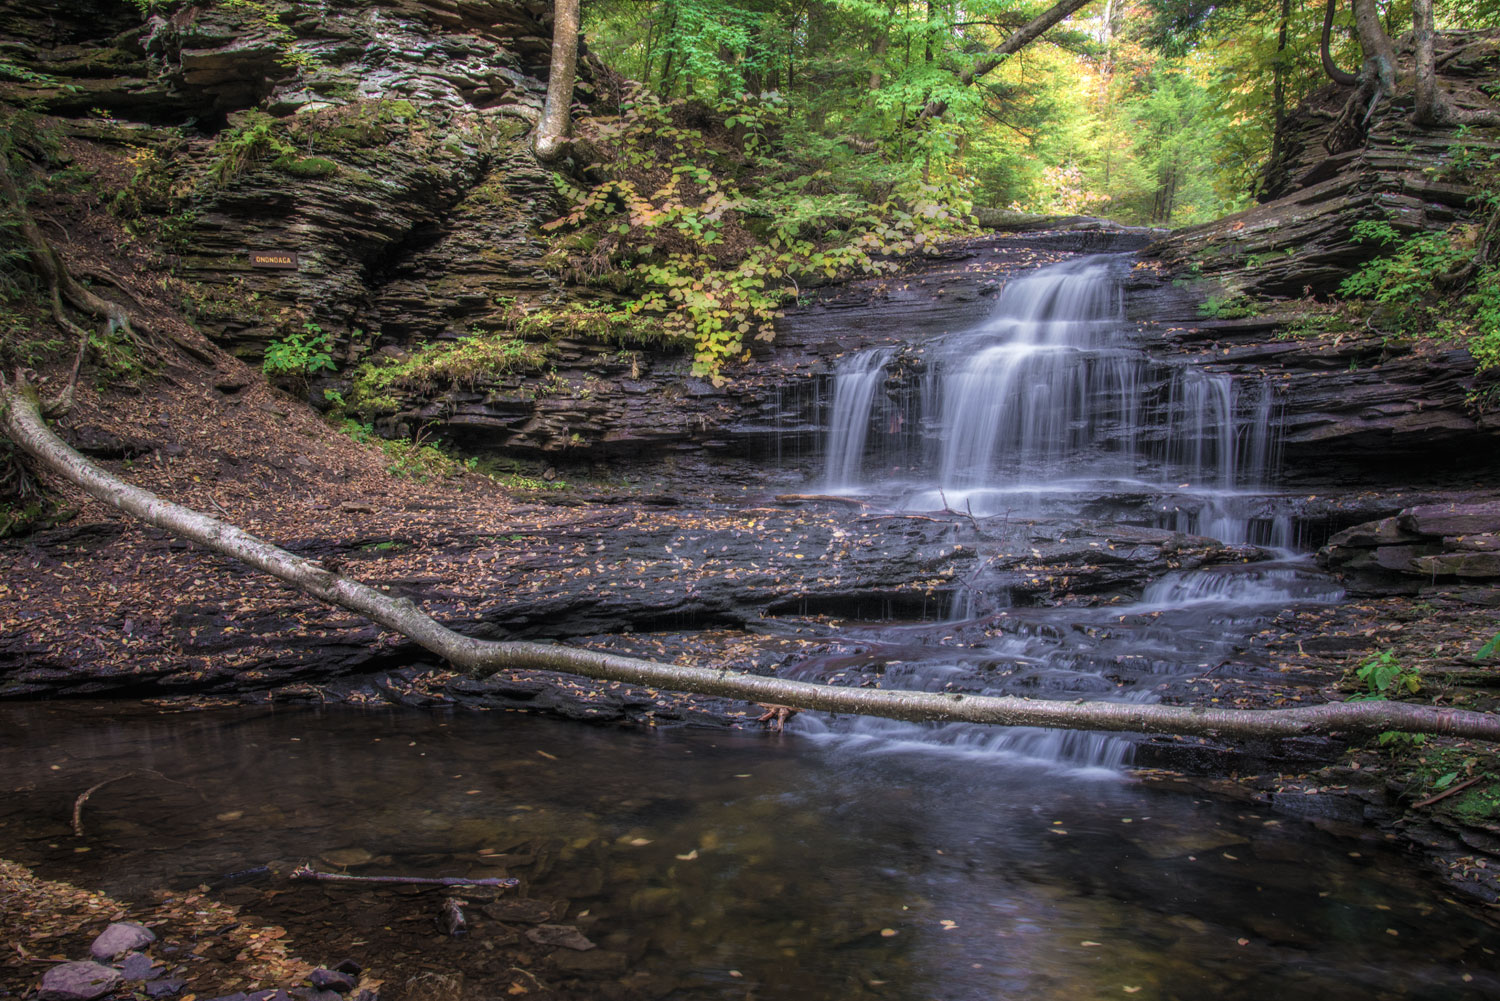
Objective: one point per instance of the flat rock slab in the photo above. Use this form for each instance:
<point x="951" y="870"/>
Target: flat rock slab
<point x="331" y="980"/>
<point x="1459" y="564"/>
<point x="1452" y="519"/>
<point x="120" y="938"/>
<point x="79" y="981"/>
<point x="531" y="912"/>
<point x="138" y="966"/>
<point x="565" y="936"/>
<point x="165" y="988"/>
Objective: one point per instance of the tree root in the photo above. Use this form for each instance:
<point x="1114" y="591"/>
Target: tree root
<point x="64" y="291"/>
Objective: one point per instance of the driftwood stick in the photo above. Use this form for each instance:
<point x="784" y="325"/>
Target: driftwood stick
<point x="1447" y="792"/>
<point x="307" y="872"/>
<point x="84" y="798"/>
<point x="819" y="499"/>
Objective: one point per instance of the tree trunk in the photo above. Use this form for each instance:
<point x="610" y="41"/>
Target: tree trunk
<point x="23" y="423"/>
<point x="1335" y="74"/>
<point x="557" y="119"/>
<point x="877" y="60"/>
<point x="1380" y="55"/>
<point x="1019" y="39"/>
<point x="1432" y="106"/>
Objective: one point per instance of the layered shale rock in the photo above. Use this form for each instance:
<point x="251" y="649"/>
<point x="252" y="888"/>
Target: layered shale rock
<point x="1452" y="542"/>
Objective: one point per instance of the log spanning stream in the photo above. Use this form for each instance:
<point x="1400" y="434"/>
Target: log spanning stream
<point x="718" y="865"/>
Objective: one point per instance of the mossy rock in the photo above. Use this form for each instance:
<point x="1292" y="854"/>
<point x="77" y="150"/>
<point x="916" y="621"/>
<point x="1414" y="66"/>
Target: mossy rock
<point x="308" y="166"/>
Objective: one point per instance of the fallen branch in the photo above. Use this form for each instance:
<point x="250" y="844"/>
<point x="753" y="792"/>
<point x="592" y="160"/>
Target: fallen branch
<point x="307" y="872"/>
<point x="819" y="499"/>
<point x="23" y="422"/>
<point x="1447" y="792"/>
<point x="84" y="798"/>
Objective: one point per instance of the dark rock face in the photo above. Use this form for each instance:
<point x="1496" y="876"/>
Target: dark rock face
<point x="416" y="228"/>
<point x="613" y="572"/>
<point x="1358" y="408"/>
<point x="1454" y="540"/>
<point x="1300" y="238"/>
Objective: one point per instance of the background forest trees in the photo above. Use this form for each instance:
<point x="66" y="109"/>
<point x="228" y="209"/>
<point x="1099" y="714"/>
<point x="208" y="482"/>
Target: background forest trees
<point x="1148" y="111"/>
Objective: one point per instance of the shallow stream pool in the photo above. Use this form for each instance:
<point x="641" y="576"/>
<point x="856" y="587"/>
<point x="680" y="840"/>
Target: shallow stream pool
<point x="710" y="864"/>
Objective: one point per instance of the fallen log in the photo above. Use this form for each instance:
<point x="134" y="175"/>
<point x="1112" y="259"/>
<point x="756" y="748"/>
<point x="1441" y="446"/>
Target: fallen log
<point x="820" y="499"/>
<point x="22" y="421"/>
<point x="307" y="872"/>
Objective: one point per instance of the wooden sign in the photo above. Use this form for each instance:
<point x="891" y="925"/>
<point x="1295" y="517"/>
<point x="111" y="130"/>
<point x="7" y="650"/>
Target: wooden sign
<point x="273" y="259"/>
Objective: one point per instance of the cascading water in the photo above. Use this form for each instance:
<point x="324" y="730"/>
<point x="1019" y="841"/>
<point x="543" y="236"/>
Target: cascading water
<point x="855" y="383"/>
<point x="1050" y="402"/>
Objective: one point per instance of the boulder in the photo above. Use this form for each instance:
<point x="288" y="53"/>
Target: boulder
<point x="1384" y="532"/>
<point x="565" y="936"/>
<point x="120" y="938"/>
<point x="78" y="981"/>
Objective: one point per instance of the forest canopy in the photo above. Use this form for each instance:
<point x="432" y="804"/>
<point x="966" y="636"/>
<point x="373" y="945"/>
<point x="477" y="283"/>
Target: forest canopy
<point x="1158" y="112"/>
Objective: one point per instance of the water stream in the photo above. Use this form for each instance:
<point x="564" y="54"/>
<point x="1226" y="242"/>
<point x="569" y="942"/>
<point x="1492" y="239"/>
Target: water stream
<point x="722" y="865"/>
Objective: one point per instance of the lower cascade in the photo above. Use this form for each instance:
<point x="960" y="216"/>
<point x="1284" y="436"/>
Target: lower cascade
<point x="1052" y="409"/>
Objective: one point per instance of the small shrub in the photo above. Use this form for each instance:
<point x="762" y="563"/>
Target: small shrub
<point x="1383" y="674"/>
<point x="299" y="355"/>
<point x="258" y="137"/>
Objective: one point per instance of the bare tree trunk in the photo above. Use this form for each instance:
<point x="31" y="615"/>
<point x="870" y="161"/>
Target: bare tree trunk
<point x="1278" y="83"/>
<point x="557" y="120"/>
<point x="1019" y="39"/>
<point x="877" y="59"/>
<point x="1432" y="106"/>
<point x="1380" y="55"/>
<point x="1325" y="52"/>
<point x="23" y="423"/>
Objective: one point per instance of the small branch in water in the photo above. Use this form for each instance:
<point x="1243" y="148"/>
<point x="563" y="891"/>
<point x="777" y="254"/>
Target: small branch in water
<point x="84" y="798"/>
<point x="819" y="499"/>
<point x="307" y="872"/>
<point x="948" y="509"/>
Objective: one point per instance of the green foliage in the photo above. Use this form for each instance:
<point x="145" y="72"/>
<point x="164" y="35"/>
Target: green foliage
<point x="257" y="137"/>
<point x="714" y="218"/>
<point x="1228" y="307"/>
<point x="117" y="362"/>
<point x="1384" y="675"/>
<point x="1428" y="287"/>
<point x="300" y="354"/>
<point x="416" y="459"/>
<point x="1490" y="649"/>
<point x="1446" y="768"/>
<point x="465" y="362"/>
<point x="26" y="338"/>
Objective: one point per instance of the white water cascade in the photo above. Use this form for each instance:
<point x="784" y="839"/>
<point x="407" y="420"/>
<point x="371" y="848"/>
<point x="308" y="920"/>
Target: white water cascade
<point x="1051" y="409"/>
<point x="1052" y="398"/>
<point x="854" y="386"/>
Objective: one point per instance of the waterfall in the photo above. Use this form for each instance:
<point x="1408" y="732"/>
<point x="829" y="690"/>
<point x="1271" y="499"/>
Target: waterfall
<point x="1050" y="408"/>
<point x="855" y="384"/>
<point x="1052" y="396"/>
